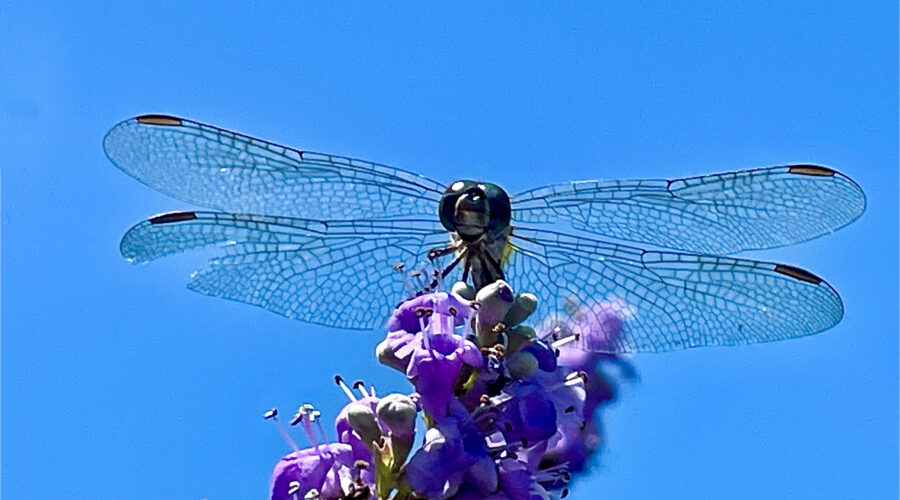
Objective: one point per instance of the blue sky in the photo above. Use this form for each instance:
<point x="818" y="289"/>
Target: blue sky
<point x="117" y="382"/>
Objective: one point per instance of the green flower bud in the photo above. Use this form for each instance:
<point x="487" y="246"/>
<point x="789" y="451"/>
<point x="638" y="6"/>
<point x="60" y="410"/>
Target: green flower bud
<point x="398" y="412"/>
<point x="386" y="356"/>
<point x="362" y="419"/>
<point x="494" y="301"/>
<point x="464" y="290"/>
<point x="518" y="336"/>
<point x="521" y="365"/>
<point x="524" y="305"/>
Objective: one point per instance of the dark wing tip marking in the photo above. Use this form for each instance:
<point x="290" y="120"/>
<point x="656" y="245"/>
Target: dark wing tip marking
<point x="797" y="273"/>
<point x="811" y="170"/>
<point x="164" y="120"/>
<point x="170" y="217"/>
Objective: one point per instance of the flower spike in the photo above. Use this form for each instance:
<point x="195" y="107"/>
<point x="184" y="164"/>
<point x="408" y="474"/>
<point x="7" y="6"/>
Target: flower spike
<point x="508" y="409"/>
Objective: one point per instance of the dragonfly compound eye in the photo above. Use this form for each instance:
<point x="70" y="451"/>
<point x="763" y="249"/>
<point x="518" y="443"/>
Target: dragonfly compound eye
<point x="499" y="206"/>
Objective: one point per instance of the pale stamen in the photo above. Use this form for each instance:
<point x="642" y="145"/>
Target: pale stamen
<point x="340" y="383"/>
<point x="360" y="386"/>
<point x="554" y="334"/>
<point x="321" y="430"/>
<point x="417" y="276"/>
<point x="467" y="329"/>
<point x="425" y="335"/>
<point x="563" y="341"/>
<point x="399" y="267"/>
<point x="573" y="379"/>
<point x="423" y="273"/>
<point x="558" y="472"/>
<point x="273" y="416"/>
<point x="307" y="414"/>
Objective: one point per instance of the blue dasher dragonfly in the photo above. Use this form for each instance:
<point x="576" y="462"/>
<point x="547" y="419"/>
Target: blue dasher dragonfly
<point x="316" y="237"/>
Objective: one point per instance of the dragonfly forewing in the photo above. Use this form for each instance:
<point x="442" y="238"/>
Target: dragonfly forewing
<point x="716" y="214"/>
<point x="212" y="167"/>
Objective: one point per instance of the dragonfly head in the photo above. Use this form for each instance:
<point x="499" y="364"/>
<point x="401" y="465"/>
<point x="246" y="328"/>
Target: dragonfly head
<point x="472" y="208"/>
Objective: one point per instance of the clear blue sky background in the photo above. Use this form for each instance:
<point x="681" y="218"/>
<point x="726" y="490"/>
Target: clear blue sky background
<point x="117" y="382"/>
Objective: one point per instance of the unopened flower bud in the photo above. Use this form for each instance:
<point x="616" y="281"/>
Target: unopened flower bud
<point x="398" y="412"/>
<point x="524" y="305"/>
<point x="386" y="356"/>
<point x="464" y="290"/>
<point x="362" y="419"/>
<point x="494" y="301"/>
<point x="519" y="336"/>
<point x="521" y="364"/>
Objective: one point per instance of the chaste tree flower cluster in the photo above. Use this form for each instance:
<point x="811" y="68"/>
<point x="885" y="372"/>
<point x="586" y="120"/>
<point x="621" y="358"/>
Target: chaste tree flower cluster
<point x="508" y="413"/>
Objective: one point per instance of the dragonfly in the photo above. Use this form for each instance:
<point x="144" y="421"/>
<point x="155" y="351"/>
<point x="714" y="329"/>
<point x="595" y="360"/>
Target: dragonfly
<point x="318" y="237"/>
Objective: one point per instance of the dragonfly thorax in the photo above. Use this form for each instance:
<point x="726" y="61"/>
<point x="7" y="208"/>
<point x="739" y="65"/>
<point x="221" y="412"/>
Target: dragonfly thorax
<point x="470" y="209"/>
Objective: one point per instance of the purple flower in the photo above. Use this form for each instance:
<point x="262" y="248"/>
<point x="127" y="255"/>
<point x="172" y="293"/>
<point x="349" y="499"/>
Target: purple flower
<point x="527" y="414"/>
<point x="598" y="329"/>
<point x="544" y="355"/>
<point x="435" y="368"/>
<point x="408" y="315"/>
<point x="396" y="349"/>
<point x="436" y="469"/>
<point x="453" y="449"/>
<point x="315" y="468"/>
<point x="517" y="481"/>
<point x="439" y="354"/>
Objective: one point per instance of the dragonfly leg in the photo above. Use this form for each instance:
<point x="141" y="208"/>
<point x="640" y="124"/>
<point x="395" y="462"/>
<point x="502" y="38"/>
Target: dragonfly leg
<point x="466" y="268"/>
<point x="496" y="265"/>
<point x="434" y="253"/>
<point x="443" y="274"/>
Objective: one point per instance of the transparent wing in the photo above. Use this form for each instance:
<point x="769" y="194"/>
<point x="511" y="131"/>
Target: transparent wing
<point x="670" y="300"/>
<point x="335" y="273"/>
<point x="212" y="167"/>
<point x="716" y="214"/>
